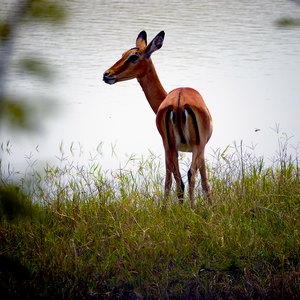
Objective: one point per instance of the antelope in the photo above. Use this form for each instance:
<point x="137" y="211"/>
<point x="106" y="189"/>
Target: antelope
<point x="182" y="117"/>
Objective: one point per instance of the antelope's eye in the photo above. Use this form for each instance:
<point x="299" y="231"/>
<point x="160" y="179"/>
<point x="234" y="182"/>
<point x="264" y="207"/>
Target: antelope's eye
<point x="132" y="58"/>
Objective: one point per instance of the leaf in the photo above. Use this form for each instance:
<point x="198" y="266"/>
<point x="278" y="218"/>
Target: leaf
<point x="36" y="67"/>
<point x="46" y="10"/>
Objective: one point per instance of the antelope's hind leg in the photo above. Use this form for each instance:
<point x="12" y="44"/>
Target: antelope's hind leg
<point x="204" y="182"/>
<point x="198" y="162"/>
<point x="172" y="167"/>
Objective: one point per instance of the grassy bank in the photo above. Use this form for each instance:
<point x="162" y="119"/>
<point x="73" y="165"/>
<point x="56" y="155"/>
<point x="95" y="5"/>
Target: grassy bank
<point x="93" y="236"/>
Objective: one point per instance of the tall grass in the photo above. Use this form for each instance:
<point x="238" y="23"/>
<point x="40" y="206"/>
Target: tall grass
<point x="89" y="234"/>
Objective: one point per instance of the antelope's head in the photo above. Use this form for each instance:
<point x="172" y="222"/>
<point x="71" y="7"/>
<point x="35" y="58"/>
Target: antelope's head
<point x="134" y="62"/>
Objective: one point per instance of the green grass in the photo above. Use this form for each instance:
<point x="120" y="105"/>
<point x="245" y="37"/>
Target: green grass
<point x="81" y="233"/>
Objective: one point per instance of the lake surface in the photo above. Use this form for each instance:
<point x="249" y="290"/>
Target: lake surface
<point x="245" y="66"/>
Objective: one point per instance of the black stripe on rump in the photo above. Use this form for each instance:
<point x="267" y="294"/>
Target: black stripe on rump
<point x="195" y="123"/>
<point x="170" y="135"/>
<point x="179" y="126"/>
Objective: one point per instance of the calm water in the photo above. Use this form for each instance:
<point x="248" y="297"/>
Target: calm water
<point x="246" y="68"/>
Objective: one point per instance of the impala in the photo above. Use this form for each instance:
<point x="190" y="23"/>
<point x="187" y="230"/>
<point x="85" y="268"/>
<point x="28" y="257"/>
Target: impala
<point x="182" y="118"/>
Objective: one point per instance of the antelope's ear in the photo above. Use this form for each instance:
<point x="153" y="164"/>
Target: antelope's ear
<point x="155" y="44"/>
<point x="141" y="40"/>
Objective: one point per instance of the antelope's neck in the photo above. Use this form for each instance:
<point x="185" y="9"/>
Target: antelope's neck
<point x="154" y="91"/>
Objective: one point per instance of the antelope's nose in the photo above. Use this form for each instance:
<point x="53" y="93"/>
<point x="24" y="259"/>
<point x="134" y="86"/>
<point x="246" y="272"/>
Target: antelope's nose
<point x="105" y="75"/>
<point x="107" y="78"/>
